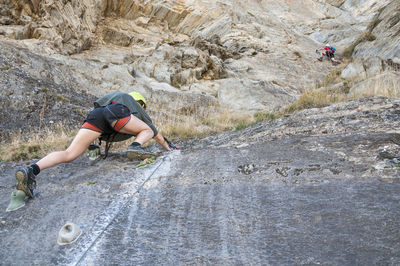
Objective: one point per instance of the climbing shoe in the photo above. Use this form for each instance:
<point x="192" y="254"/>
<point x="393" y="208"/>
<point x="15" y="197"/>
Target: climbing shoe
<point x="26" y="180"/>
<point x="138" y="152"/>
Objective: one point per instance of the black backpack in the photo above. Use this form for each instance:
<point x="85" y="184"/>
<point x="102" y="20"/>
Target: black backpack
<point x="110" y="138"/>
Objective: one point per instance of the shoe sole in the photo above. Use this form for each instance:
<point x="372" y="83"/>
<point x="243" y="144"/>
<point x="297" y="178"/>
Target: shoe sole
<point x="134" y="155"/>
<point x="22" y="185"/>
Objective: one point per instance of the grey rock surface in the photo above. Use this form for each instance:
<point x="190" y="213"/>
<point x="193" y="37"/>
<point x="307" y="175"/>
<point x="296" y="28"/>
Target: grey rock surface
<point x="377" y="51"/>
<point x="385" y="28"/>
<point x="354" y="71"/>
<point x="37" y="92"/>
<point x="318" y="187"/>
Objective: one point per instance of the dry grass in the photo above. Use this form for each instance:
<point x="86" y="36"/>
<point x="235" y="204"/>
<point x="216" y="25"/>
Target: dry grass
<point x="322" y="94"/>
<point x="312" y="98"/>
<point x="201" y="122"/>
<point x="334" y="76"/>
<point x="263" y="116"/>
<point x="187" y="118"/>
<point x="194" y="122"/>
<point x="386" y="84"/>
<point x="38" y="144"/>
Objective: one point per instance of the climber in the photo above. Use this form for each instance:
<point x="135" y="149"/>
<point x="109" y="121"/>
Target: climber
<point x="114" y="113"/>
<point x="328" y="51"/>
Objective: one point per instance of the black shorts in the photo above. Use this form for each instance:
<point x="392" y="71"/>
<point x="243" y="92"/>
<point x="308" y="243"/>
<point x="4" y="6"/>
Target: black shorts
<point x="101" y="118"/>
<point x="330" y="54"/>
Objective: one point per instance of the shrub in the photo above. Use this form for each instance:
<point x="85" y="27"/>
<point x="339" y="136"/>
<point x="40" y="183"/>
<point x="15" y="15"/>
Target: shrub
<point x="241" y="126"/>
<point x="260" y="116"/>
<point x="19" y="156"/>
<point x="316" y="99"/>
<point x="33" y="148"/>
<point x="370" y="37"/>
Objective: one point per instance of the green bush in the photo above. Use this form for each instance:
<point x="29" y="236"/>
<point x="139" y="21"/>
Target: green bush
<point x="34" y="148"/>
<point x="241" y="126"/>
<point x="19" y="156"/>
<point x="260" y="116"/>
<point x="370" y="37"/>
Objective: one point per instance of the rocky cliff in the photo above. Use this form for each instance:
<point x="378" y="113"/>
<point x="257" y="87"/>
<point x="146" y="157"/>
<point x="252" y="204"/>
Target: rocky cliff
<point x="257" y="55"/>
<point x="253" y="55"/>
<point x="376" y="53"/>
<point x="318" y="187"/>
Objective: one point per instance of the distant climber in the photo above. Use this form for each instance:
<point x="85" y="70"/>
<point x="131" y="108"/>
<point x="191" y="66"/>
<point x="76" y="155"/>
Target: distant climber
<point x="328" y="51"/>
<point x="114" y="113"/>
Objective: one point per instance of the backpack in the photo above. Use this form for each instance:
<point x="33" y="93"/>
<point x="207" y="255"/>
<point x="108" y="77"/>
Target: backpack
<point x="333" y="49"/>
<point x="114" y="137"/>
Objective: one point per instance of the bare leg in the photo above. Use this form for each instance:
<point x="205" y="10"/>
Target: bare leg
<point x="81" y="141"/>
<point x="137" y="127"/>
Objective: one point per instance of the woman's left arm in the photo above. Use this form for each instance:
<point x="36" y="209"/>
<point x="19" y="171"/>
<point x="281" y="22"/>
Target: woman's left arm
<point x="160" y="139"/>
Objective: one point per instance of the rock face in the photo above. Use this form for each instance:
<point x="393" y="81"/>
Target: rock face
<point x="376" y="54"/>
<point x="68" y="25"/>
<point x="319" y="187"/>
<point x="238" y="52"/>
<point x="32" y="99"/>
<point x="385" y="39"/>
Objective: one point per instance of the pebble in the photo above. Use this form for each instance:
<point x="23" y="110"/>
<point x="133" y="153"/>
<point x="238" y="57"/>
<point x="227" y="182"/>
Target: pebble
<point x="242" y="145"/>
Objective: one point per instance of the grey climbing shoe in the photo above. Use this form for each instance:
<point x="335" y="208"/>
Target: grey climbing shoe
<point x="137" y="152"/>
<point x="26" y="180"/>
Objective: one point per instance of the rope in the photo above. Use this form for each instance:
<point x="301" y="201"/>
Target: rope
<point x="123" y="205"/>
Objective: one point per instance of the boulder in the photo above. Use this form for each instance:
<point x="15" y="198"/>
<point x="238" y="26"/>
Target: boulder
<point x="354" y="71"/>
<point x="373" y="66"/>
<point x="253" y="95"/>
<point x="385" y="84"/>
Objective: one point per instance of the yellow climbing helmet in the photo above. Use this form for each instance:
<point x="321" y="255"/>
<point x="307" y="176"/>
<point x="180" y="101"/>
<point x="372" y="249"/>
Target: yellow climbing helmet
<point x="139" y="98"/>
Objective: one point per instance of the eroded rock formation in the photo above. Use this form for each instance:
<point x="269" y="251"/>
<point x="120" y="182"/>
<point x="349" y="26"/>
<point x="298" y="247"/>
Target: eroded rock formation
<point x="255" y="55"/>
